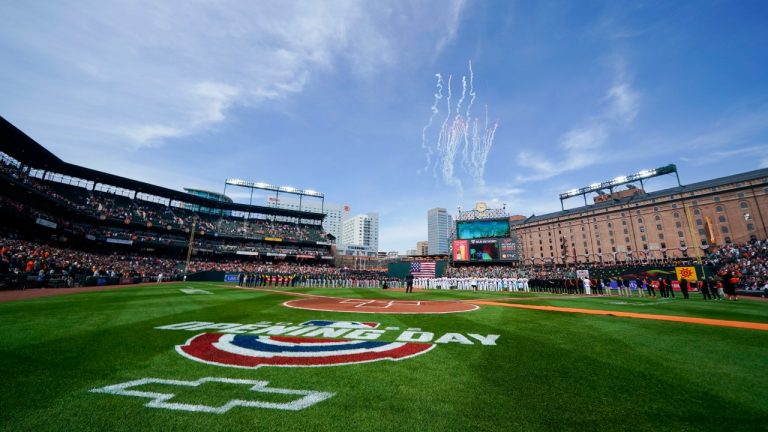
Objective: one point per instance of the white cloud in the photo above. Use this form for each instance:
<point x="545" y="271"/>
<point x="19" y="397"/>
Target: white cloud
<point x="764" y="163"/>
<point x="452" y="25"/>
<point x="215" y="98"/>
<point x="718" y="156"/>
<point x="581" y="147"/>
<point x="497" y="192"/>
<point x="494" y="196"/>
<point x="148" y="71"/>
<point x="733" y="135"/>
<point x="145" y="135"/>
<point x="624" y="102"/>
<point x="207" y="103"/>
<point x="584" y="139"/>
<point x="730" y="131"/>
<point x="584" y="145"/>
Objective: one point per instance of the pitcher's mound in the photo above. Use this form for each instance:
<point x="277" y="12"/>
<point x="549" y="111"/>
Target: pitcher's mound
<point x="331" y="304"/>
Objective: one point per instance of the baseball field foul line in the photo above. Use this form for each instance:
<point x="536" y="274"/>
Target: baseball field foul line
<point x="690" y="320"/>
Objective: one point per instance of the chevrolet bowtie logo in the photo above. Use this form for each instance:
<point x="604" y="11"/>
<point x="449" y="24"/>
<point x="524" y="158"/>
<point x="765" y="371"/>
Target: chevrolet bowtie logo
<point x="304" y="398"/>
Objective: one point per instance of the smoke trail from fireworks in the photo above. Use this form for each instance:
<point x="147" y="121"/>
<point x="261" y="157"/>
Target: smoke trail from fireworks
<point x="444" y="132"/>
<point x="472" y="94"/>
<point x="459" y="132"/>
<point x="435" y="111"/>
<point x="481" y="146"/>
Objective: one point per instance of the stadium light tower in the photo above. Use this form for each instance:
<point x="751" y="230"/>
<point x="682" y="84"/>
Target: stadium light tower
<point x="276" y="189"/>
<point x="620" y="180"/>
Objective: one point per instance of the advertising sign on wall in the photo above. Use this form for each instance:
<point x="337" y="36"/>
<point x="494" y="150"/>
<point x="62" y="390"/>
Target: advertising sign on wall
<point x="508" y="247"/>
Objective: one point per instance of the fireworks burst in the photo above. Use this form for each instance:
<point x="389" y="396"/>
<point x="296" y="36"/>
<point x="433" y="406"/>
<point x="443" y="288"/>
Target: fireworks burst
<point x="458" y="131"/>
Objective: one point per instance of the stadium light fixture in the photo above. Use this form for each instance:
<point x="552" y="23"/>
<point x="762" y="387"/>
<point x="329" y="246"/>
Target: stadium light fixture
<point x="267" y="186"/>
<point x="610" y="184"/>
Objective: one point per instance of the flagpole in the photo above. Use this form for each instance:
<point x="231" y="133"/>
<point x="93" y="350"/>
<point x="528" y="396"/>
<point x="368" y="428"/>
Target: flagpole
<point x="189" y="250"/>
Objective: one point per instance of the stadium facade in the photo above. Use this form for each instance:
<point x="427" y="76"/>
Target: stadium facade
<point x="678" y="222"/>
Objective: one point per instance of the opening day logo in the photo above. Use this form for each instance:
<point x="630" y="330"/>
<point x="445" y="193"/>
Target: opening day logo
<point x="309" y="344"/>
<point x="281" y="344"/>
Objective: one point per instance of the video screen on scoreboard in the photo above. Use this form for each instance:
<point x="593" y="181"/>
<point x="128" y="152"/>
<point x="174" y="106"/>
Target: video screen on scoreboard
<point x="468" y="230"/>
<point x="484" y="250"/>
<point x="460" y="250"/>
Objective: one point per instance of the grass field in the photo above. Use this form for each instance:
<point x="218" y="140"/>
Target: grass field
<point x="546" y="371"/>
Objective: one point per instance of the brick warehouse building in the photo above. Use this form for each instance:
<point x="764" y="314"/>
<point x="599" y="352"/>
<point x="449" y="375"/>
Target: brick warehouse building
<point x="678" y="222"/>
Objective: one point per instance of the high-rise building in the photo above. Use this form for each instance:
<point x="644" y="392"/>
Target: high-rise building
<point x="422" y="248"/>
<point x="438" y="226"/>
<point x="335" y="214"/>
<point x="362" y="230"/>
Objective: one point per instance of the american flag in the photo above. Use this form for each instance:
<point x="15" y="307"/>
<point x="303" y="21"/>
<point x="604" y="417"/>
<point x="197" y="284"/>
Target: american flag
<point x="423" y="269"/>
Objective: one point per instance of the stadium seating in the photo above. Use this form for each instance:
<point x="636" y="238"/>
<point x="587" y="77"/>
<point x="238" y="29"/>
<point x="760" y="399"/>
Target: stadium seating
<point x="113" y="206"/>
<point x="37" y="264"/>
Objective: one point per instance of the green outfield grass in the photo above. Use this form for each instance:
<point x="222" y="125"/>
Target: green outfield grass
<point x="547" y="371"/>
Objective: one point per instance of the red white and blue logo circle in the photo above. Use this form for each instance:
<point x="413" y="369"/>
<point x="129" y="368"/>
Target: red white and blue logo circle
<point x="252" y="351"/>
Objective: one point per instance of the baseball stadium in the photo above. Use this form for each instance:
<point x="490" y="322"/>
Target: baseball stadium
<point x="383" y="215"/>
<point x="131" y="306"/>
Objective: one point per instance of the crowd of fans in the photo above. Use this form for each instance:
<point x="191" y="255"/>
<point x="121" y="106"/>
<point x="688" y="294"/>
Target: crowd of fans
<point x="41" y="262"/>
<point x="45" y="262"/>
<point x="106" y="205"/>
<point x="505" y="272"/>
<point x="207" y="244"/>
<point x="225" y="234"/>
<point x="747" y="261"/>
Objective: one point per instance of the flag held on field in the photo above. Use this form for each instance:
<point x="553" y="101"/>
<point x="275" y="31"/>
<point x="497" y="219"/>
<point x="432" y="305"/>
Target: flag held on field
<point x="423" y="269"/>
<point x="689" y="273"/>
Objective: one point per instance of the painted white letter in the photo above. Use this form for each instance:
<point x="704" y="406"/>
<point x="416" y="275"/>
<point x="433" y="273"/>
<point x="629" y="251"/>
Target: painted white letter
<point x="365" y="334"/>
<point x="183" y="326"/>
<point x="485" y="340"/>
<point x="454" y="337"/>
<point x="414" y="336"/>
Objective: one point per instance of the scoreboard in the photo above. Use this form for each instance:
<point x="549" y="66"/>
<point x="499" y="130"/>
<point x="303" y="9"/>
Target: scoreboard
<point x="484" y="241"/>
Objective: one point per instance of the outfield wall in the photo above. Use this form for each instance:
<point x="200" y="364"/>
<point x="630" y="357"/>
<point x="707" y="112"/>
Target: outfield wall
<point x="207" y="276"/>
<point x="652" y="272"/>
<point x="403" y="268"/>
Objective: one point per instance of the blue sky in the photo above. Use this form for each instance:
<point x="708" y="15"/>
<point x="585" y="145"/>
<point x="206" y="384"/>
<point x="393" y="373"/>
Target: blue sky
<point x="336" y="96"/>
